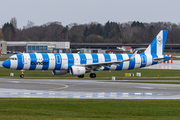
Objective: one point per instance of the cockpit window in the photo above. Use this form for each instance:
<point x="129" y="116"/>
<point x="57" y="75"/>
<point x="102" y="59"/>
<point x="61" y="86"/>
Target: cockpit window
<point x="13" y="58"/>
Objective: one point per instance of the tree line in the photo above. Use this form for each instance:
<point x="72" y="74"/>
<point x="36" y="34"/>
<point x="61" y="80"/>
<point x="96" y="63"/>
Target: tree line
<point x="111" y="32"/>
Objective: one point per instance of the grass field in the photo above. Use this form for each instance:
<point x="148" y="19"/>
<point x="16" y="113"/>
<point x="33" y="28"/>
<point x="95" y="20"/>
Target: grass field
<point x="82" y="109"/>
<point x="100" y="74"/>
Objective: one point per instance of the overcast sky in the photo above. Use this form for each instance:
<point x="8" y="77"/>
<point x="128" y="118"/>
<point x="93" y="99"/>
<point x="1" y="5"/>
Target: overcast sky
<point x="86" y="11"/>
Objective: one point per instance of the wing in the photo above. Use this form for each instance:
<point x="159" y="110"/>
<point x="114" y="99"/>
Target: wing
<point x="105" y="64"/>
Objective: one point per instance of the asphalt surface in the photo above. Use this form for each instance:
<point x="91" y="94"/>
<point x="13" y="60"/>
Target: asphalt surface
<point x="38" y="88"/>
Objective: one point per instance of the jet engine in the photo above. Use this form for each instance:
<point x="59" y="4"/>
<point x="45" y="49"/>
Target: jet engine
<point x="76" y="70"/>
<point x="59" y="72"/>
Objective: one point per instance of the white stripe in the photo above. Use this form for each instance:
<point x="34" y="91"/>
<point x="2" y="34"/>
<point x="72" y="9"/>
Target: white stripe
<point x="39" y="59"/>
<point x="160" y="56"/>
<point x="148" y="50"/>
<point x="64" y="62"/>
<point x="88" y="58"/>
<point x="149" y="60"/>
<point x="14" y="62"/>
<point x="51" y="61"/>
<point x="27" y="65"/>
<point x="76" y="59"/>
<point x="113" y="58"/>
<point x="159" y="43"/>
<point x="125" y="64"/>
<point x="101" y="59"/>
<point x="137" y="61"/>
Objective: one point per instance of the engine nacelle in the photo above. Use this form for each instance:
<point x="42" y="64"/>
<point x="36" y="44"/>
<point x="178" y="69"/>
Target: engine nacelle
<point x="59" y="72"/>
<point x="75" y="70"/>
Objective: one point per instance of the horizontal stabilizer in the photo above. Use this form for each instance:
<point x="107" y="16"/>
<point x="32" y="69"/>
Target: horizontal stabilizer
<point x="166" y="57"/>
<point x="160" y="59"/>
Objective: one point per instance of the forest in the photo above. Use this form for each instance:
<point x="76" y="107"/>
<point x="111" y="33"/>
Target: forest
<point x="111" y="32"/>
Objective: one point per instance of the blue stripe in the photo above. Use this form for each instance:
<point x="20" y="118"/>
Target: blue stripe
<point x="107" y="59"/>
<point x="45" y="60"/>
<point x="131" y="63"/>
<point x="33" y="59"/>
<point x="95" y="58"/>
<point x="82" y="58"/>
<point x="165" y="33"/>
<point x="119" y="58"/>
<point x="154" y="46"/>
<point x="70" y="60"/>
<point x="143" y="60"/>
<point x="57" y="61"/>
<point x="20" y="65"/>
<point x="7" y="63"/>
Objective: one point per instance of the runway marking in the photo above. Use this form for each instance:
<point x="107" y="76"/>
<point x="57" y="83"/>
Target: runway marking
<point x="42" y="83"/>
<point x="146" y="87"/>
<point x="71" y="94"/>
<point x="14" y="81"/>
<point x="66" y="86"/>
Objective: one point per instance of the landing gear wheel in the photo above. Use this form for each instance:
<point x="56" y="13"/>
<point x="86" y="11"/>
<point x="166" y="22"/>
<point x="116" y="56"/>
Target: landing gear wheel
<point x="22" y="75"/>
<point x="80" y="76"/>
<point x="92" y="75"/>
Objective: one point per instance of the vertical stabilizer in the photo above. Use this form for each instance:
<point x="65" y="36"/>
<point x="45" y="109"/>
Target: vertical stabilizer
<point x="158" y="44"/>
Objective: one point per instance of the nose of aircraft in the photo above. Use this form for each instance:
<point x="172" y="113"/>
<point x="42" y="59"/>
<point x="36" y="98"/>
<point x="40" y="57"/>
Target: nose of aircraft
<point x="6" y="64"/>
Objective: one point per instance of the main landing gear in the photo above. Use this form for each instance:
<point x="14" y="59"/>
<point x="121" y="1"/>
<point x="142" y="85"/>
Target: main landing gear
<point x="22" y="74"/>
<point x="92" y="75"/>
<point x="80" y="76"/>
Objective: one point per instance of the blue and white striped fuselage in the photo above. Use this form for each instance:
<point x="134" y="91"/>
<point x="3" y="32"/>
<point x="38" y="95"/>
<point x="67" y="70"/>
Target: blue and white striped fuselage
<point x="79" y="64"/>
<point x="56" y="61"/>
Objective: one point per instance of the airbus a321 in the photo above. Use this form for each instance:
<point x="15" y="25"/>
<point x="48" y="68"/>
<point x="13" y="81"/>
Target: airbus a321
<point x="78" y="64"/>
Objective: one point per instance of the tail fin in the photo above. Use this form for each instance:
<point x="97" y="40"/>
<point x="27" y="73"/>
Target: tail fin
<point x="158" y="44"/>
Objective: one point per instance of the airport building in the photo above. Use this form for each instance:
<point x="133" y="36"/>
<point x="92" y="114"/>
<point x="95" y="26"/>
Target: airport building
<point x="3" y="47"/>
<point x="38" y="47"/>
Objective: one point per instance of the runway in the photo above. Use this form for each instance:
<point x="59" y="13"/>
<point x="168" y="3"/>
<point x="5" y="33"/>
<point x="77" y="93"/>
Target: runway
<point x="38" y="88"/>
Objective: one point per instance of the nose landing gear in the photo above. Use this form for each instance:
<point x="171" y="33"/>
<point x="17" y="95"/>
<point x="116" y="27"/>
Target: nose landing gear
<point x="22" y="74"/>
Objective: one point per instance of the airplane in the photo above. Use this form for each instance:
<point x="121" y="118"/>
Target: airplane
<point x="78" y="64"/>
